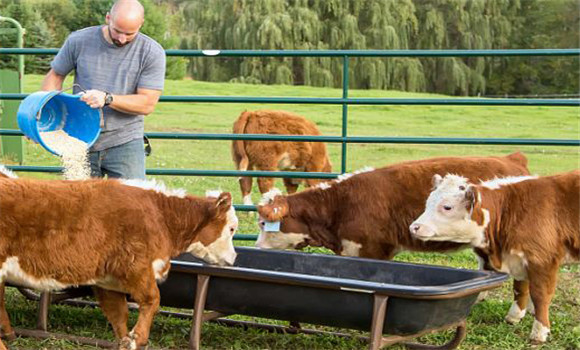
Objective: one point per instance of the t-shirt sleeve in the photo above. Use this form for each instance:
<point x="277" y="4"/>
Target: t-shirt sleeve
<point x="65" y="60"/>
<point x="153" y="74"/>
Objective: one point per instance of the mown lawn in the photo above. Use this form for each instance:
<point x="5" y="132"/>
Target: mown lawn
<point x="486" y="328"/>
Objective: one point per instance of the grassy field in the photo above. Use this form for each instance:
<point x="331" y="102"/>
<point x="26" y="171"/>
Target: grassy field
<point x="486" y="328"/>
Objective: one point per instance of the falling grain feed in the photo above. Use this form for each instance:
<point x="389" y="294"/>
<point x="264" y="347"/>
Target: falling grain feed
<point x="74" y="154"/>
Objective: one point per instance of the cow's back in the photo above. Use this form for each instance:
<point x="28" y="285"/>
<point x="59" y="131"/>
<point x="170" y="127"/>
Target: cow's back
<point x="103" y="217"/>
<point x="549" y="206"/>
<point x="395" y="195"/>
<point x="279" y="122"/>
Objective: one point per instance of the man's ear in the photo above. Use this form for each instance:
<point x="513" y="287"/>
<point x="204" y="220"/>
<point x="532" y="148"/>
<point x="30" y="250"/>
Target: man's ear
<point x="274" y="211"/>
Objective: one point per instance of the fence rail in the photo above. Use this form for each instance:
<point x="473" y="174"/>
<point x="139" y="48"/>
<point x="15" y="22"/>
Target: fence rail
<point x="333" y="53"/>
<point x="359" y="101"/>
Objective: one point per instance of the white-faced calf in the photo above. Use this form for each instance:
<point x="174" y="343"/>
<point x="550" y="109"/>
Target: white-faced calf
<point x="527" y="226"/>
<point x="118" y="237"/>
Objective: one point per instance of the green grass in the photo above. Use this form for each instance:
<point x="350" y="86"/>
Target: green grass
<point x="486" y="328"/>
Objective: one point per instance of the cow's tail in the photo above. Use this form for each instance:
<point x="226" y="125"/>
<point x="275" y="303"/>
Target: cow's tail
<point x="238" y="147"/>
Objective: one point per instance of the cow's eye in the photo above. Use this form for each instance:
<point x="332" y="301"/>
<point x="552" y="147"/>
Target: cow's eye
<point x="462" y="188"/>
<point x="447" y="207"/>
<point x="232" y="230"/>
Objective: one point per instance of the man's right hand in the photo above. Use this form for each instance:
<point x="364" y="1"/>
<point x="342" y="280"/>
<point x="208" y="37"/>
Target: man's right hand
<point x="94" y="98"/>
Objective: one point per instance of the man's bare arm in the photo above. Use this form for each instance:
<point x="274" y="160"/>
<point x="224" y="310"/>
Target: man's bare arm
<point x="143" y="102"/>
<point x="52" y="81"/>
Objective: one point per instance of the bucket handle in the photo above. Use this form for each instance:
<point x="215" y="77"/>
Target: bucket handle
<point x="72" y="86"/>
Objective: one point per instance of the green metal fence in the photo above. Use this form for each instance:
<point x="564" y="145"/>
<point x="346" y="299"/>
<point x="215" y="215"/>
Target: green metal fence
<point x="344" y="101"/>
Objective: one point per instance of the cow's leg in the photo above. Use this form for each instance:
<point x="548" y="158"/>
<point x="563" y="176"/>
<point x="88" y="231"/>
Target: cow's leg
<point x="291" y="187"/>
<point x="246" y="187"/>
<point x="519" y="305"/>
<point x="146" y="294"/>
<point x="542" y="289"/>
<point x="482" y="264"/>
<point x="114" y="306"/>
<point x="7" y="331"/>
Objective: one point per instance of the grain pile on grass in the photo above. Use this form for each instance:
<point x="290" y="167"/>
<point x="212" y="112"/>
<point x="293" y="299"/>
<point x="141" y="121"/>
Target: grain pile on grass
<point x="74" y="154"/>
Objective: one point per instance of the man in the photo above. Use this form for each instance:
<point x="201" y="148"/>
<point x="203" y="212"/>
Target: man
<point x="123" y="71"/>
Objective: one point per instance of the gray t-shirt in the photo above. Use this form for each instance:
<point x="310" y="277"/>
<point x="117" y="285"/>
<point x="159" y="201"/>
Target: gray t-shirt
<point x="118" y="70"/>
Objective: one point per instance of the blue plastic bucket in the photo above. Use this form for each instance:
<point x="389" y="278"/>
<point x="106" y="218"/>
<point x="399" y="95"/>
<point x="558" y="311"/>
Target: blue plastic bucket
<point x="45" y="111"/>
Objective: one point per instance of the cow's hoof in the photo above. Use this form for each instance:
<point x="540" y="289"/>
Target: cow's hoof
<point x="512" y="320"/>
<point x="539" y="333"/>
<point x="127" y="343"/>
<point x="515" y="314"/>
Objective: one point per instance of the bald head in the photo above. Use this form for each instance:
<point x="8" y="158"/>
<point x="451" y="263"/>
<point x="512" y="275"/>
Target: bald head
<point x="124" y="21"/>
<point x="128" y="10"/>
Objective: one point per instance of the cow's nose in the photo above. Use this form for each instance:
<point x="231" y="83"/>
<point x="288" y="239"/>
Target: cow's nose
<point x="414" y="228"/>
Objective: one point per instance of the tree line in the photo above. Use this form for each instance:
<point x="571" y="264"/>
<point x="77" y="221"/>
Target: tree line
<point x="339" y="25"/>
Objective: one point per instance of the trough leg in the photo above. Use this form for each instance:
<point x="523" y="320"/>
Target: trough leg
<point x="379" y="312"/>
<point x="198" y="311"/>
<point x="42" y="312"/>
<point x="460" y="333"/>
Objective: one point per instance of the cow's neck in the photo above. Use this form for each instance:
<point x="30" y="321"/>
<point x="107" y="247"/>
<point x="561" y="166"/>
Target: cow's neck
<point x="498" y="230"/>
<point x="317" y="209"/>
<point x="184" y="218"/>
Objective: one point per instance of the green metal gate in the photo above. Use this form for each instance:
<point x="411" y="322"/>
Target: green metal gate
<point x="345" y="101"/>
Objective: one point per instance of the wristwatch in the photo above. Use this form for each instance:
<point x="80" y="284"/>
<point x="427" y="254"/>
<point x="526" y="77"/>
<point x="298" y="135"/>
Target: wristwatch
<point x="108" y="98"/>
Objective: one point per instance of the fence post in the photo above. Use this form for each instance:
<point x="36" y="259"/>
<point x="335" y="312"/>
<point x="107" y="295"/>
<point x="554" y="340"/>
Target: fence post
<point x="11" y="81"/>
<point x="345" y="74"/>
<point x="11" y="145"/>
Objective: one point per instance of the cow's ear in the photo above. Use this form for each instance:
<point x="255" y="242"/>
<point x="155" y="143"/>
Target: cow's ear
<point x="470" y="197"/>
<point x="223" y="203"/>
<point x="436" y="180"/>
<point x="275" y="211"/>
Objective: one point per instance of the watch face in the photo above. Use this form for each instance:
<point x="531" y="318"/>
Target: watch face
<point x="108" y="99"/>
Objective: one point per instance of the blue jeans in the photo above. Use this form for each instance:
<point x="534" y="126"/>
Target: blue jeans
<point x="125" y="161"/>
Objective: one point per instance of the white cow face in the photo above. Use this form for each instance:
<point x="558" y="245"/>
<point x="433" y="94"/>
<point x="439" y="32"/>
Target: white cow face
<point x="214" y="243"/>
<point x="290" y="234"/>
<point x="447" y="215"/>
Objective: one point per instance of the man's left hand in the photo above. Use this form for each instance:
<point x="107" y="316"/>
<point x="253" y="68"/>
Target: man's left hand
<point x="94" y="98"/>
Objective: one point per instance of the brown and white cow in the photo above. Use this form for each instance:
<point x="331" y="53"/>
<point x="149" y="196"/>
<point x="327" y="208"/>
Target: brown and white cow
<point x="368" y="214"/>
<point x="527" y="226"/>
<point x="117" y="236"/>
<point x="277" y="155"/>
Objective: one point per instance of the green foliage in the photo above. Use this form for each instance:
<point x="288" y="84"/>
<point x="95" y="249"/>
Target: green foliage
<point x="49" y="22"/>
<point x="338" y="25"/>
<point x="37" y="34"/>
<point x="378" y="24"/>
<point x="545" y="24"/>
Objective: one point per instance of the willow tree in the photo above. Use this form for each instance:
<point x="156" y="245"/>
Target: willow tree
<point x="353" y="25"/>
<point x="462" y="24"/>
<point x="304" y="25"/>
